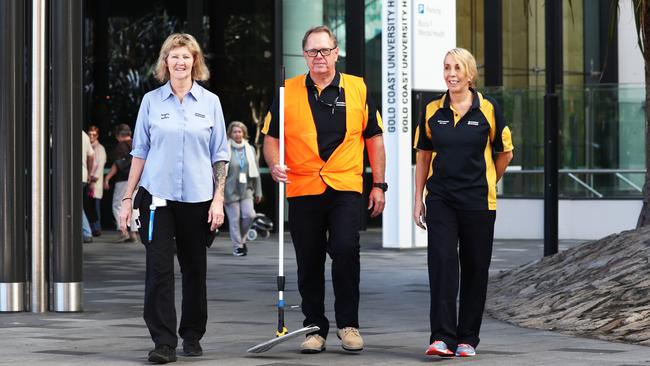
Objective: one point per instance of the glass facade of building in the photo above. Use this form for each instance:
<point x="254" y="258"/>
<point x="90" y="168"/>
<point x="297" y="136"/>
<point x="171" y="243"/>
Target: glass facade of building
<point x="601" y="122"/>
<point x="601" y="149"/>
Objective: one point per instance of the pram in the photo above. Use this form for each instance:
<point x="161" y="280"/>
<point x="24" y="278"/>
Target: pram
<point x="261" y="226"/>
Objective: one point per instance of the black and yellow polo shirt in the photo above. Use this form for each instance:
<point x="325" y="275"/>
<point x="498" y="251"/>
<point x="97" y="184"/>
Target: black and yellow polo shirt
<point x="462" y="171"/>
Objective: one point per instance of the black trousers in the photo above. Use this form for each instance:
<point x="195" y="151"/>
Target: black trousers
<point x="452" y="235"/>
<point x="88" y="205"/>
<point x="327" y="223"/>
<point x="179" y="228"/>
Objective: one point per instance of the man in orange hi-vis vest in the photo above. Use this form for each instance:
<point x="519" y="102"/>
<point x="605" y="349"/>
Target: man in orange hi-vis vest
<point x="329" y="118"/>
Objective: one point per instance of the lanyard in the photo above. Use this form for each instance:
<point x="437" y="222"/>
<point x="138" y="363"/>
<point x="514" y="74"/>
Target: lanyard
<point x="331" y="105"/>
<point x="242" y="159"/>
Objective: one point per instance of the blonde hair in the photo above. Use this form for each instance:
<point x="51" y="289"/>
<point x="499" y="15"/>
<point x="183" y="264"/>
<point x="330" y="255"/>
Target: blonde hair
<point x="199" y="69"/>
<point x="467" y="60"/>
<point x="241" y="125"/>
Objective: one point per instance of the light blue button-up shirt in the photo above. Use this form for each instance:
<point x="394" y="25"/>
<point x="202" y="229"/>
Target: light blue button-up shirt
<point x="179" y="143"/>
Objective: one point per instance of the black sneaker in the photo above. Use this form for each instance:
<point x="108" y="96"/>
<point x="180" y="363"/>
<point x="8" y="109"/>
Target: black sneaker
<point x="192" y="348"/>
<point x="239" y="252"/>
<point x="162" y="354"/>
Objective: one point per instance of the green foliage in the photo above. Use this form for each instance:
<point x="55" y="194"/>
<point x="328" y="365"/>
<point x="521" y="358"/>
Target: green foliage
<point x="133" y="52"/>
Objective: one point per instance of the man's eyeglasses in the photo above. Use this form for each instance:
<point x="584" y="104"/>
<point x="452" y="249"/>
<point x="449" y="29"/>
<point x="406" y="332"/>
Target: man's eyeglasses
<point x="323" y="51"/>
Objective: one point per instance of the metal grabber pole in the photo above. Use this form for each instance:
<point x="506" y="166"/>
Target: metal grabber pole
<point x="282" y="330"/>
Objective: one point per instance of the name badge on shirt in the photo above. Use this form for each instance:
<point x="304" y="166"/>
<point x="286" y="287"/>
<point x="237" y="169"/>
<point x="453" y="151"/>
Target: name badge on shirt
<point x="199" y="115"/>
<point x="472" y="123"/>
<point x="442" y="122"/>
<point x="242" y="178"/>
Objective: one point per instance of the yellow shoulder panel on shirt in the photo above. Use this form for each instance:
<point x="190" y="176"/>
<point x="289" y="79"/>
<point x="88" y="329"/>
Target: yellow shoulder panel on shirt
<point x="487" y="109"/>
<point x="416" y="137"/>
<point x="506" y="137"/>
<point x="380" y="122"/>
<point x="432" y="108"/>
<point x="267" y="123"/>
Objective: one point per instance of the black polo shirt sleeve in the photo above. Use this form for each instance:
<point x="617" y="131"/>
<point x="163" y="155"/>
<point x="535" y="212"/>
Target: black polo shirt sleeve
<point x="501" y="139"/>
<point x="271" y="126"/>
<point x="423" y="132"/>
<point x="375" y="125"/>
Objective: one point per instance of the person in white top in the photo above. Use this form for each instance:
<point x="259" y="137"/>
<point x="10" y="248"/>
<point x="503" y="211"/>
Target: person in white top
<point x="87" y="161"/>
<point x="97" y="178"/>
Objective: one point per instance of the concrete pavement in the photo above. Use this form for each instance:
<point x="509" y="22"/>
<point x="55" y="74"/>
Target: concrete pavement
<point x="241" y="300"/>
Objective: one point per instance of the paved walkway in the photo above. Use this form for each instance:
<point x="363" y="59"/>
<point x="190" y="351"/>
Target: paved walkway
<point x="241" y="299"/>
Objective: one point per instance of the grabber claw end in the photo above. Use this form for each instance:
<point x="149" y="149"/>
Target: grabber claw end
<point x="280" y="334"/>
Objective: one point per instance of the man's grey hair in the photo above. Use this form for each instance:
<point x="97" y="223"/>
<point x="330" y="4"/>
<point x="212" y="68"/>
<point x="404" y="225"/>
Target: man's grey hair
<point x="319" y="29"/>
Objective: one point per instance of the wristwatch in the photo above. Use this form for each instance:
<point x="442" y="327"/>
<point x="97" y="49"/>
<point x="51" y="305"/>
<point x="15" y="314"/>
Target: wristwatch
<point x="383" y="186"/>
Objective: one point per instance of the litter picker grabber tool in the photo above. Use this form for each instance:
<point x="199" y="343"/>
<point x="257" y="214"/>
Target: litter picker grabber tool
<point x="281" y="332"/>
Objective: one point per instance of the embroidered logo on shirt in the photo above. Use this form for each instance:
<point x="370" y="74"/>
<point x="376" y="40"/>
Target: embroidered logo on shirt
<point x="472" y="123"/>
<point x="199" y="115"/>
<point x="164" y="116"/>
<point x="442" y="122"/>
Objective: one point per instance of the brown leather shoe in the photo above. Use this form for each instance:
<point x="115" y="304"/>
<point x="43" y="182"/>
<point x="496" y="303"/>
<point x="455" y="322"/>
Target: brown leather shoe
<point x="350" y="339"/>
<point x="313" y="344"/>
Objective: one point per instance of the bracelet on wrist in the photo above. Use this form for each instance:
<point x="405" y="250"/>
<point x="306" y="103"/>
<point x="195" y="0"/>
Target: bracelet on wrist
<point x="126" y="198"/>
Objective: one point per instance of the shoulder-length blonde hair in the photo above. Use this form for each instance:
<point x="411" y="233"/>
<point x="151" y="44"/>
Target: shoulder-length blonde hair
<point x="199" y="69"/>
<point x="467" y="60"/>
<point x="241" y="125"/>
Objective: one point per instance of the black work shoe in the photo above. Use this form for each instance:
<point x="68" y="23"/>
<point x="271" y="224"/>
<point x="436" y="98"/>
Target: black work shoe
<point x="192" y="348"/>
<point x="162" y="354"/>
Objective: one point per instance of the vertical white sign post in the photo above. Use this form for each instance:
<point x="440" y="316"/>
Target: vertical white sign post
<point x="434" y="33"/>
<point x="416" y="34"/>
<point x="396" y="113"/>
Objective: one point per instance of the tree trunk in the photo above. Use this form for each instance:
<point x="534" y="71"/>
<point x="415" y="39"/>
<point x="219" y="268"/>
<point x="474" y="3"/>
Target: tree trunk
<point x="644" y="216"/>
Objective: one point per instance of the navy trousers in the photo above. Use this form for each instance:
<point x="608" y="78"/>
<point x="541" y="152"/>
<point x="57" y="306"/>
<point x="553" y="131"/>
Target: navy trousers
<point x="327" y="224"/>
<point x="459" y="244"/>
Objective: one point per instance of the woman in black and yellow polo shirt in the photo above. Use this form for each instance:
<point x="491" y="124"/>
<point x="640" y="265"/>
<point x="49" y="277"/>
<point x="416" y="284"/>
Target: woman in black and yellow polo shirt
<point x="463" y="148"/>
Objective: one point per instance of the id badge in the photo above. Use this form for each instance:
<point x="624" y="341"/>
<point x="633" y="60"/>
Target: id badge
<point x="158" y="202"/>
<point x="242" y="178"/>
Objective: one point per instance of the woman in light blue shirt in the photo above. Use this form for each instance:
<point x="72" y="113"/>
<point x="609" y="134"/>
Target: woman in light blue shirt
<point x="180" y="155"/>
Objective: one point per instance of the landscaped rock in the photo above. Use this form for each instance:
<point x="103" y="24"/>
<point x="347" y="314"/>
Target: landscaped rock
<point x="598" y="289"/>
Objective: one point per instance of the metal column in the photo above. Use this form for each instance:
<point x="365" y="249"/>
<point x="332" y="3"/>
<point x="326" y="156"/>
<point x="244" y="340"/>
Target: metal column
<point x="551" y="139"/>
<point x="39" y="160"/>
<point x="66" y="108"/>
<point x="493" y="14"/>
<point x="355" y="41"/>
<point x="12" y="159"/>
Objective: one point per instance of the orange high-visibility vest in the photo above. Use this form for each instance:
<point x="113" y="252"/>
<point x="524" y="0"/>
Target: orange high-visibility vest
<point x="309" y="174"/>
